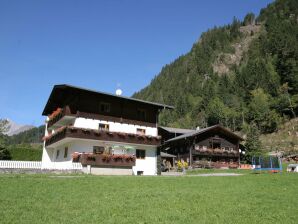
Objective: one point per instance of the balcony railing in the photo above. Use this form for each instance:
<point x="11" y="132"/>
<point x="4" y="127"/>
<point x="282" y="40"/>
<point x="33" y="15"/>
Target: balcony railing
<point x="61" y="113"/>
<point x="73" y="132"/>
<point x="216" y="152"/>
<point x="219" y="164"/>
<point x="105" y="160"/>
<point x="58" y="114"/>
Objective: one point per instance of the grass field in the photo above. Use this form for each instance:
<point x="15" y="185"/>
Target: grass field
<point x="251" y="198"/>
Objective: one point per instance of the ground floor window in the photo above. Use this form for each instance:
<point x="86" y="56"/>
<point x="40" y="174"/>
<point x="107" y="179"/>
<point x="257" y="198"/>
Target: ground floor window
<point x="57" y="154"/>
<point x="65" y="152"/>
<point x="98" y="149"/>
<point x="140" y="154"/>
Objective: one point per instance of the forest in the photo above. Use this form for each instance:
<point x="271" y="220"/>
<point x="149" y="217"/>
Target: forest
<point x="243" y="75"/>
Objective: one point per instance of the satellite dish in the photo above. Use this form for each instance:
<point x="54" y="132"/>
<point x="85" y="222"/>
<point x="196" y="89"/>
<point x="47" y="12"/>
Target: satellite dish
<point x="118" y="92"/>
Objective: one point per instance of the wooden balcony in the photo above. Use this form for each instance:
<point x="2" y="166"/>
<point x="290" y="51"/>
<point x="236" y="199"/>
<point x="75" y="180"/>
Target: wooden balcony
<point x="64" y="116"/>
<point x="216" y="152"/>
<point x="61" y="117"/>
<point x="106" y="160"/>
<point x="79" y="133"/>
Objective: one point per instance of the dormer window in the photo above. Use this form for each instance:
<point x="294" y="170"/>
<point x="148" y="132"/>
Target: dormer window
<point x="105" y="107"/>
<point x="103" y="127"/>
<point x="141" y="114"/>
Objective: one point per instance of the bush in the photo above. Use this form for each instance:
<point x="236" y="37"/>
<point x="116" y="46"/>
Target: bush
<point x="4" y="153"/>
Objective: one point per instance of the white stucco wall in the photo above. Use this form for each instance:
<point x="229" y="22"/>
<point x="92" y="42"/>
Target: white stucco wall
<point x="51" y="161"/>
<point x="114" y="126"/>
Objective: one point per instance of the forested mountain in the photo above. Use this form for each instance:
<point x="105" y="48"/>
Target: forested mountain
<point x="34" y="135"/>
<point x="240" y="74"/>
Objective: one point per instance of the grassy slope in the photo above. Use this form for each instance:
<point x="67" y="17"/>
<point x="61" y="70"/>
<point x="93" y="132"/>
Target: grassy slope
<point x="286" y="139"/>
<point x="26" y="152"/>
<point x="90" y="199"/>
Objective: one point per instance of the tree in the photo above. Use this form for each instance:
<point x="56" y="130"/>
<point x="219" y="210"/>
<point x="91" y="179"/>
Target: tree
<point x="267" y="120"/>
<point x="3" y="125"/>
<point x="253" y="143"/>
<point x="216" y="112"/>
<point x="4" y="153"/>
<point x="249" y="19"/>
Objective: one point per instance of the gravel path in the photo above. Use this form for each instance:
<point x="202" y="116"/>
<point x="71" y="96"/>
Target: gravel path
<point x="217" y="174"/>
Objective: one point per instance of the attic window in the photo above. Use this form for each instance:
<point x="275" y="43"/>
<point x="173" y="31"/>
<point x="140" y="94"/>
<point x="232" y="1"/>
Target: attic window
<point x="105" y="107"/>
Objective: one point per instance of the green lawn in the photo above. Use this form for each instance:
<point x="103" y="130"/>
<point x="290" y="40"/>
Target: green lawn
<point x="251" y="198"/>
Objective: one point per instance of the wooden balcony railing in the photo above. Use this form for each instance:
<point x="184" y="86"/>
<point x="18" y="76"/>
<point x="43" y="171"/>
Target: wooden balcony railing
<point x="73" y="132"/>
<point x="105" y="160"/>
<point x="216" y="152"/>
<point x="58" y="114"/>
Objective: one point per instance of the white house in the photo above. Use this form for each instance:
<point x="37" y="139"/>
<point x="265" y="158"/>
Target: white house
<point x="108" y="134"/>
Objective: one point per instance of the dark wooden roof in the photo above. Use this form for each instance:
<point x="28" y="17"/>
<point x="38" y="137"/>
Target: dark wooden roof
<point x="203" y="130"/>
<point x="63" y="93"/>
<point x="176" y="130"/>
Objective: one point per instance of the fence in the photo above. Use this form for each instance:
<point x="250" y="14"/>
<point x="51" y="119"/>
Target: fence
<point x="11" y="164"/>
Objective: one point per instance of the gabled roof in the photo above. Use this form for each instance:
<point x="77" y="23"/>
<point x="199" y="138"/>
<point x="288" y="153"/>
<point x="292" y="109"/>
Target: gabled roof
<point x="176" y="130"/>
<point x="203" y="130"/>
<point x="64" y="87"/>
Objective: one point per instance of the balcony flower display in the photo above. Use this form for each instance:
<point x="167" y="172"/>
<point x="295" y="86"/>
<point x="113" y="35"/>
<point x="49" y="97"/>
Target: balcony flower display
<point x="210" y="151"/>
<point x="218" y="151"/>
<point x="55" y="113"/>
<point x="106" y="157"/>
<point x="75" y="157"/>
<point x="91" y="157"/>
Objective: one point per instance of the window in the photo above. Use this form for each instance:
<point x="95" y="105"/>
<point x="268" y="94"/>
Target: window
<point x="57" y="154"/>
<point x="214" y="143"/>
<point x="98" y="149"/>
<point x="103" y="127"/>
<point x="141" y="114"/>
<point x="140" y="154"/>
<point x="141" y="131"/>
<point x="105" y="107"/>
<point x="65" y="152"/>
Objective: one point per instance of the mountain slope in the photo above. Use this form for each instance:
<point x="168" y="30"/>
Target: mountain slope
<point x="15" y="128"/>
<point x="285" y="139"/>
<point x="236" y="74"/>
<point x="33" y="135"/>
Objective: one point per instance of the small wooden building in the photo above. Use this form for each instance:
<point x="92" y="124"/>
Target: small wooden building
<point x="215" y="145"/>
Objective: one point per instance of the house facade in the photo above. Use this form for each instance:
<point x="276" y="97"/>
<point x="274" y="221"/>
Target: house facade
<point x="211" y="147"/>
<point x="108" y="134"/>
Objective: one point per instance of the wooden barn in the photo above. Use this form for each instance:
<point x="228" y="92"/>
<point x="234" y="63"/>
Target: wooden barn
<point x="215" y="146"/>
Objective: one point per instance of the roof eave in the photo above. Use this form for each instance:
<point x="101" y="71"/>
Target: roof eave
<point x="61" y="86"/>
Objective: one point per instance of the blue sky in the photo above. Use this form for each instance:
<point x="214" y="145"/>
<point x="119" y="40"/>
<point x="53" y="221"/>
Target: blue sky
<point x="96" y="44"/>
